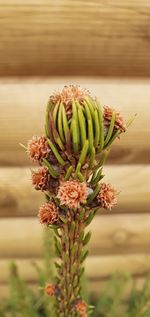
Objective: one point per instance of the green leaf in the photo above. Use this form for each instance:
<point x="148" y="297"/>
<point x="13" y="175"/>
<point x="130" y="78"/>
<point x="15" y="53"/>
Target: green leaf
<point x="82" y="212"/>
<point x="94" y="194"/>
<point x="110" y="130"/>
<point x="90" y="135"/>
<point x="23" y="146"/>
<point x="90" y="218"/>
<point x="56" y="153"/>
<point x="91" y="105"/>
<point x="60" y="124"/>
<point x="81" y="272"/>
<point x="82" y="126"/>
<point x="98" y="176"/>
<point x="51" y="170"/>
<point x="84" y="255"/>
<point x="63" y="219"/>
<point x="92" y="158"/>
<point x="101" y="125"/>
<point x="74" y="248"/>
<point x="47" y="127"/>
<point x="80" y="177"/>
<point x="86" y="238"/>
<point x="84" y="152"/>
<point x="55" y="113"/>
<point x="75" y="136"/>
<point x="103" y="158"/>
<point x="114" y="136"/>
<point x="57" y="265"/>
<point x="74" y="267"/>
<point x="72" y="226"/>
<point x="97" y="128"/>
<point x="68" y="173"/>
<point x="65" y="123"/>
<point x="58" y="247"/>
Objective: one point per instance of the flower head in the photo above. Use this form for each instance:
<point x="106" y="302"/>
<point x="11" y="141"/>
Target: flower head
<point x="72" y="193"/>
<point x="68" y="95"/>
<point x="81" y="308"/>
<point x="40" y="178"/>
<point x="37" y="148"/>
<point x="50" y="290"/>
<point x="107" y="196"/>
<point x="119" y="121"/>
<point x="48" y="213"/>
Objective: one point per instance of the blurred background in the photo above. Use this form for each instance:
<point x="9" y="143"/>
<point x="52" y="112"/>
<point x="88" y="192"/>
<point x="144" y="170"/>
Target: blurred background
<point x="103" y="46"/>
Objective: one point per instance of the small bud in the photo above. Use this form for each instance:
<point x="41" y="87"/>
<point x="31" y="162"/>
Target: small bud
<point x="50" y="290"/>
<point x="81" y="307"/>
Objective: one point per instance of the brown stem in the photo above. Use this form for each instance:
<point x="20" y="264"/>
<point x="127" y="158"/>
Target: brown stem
<point x="69" y="272"/>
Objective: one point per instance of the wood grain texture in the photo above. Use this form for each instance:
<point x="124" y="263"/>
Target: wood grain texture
<point x="71" y="37"/>
<point x="18" y="198"/>
<point x="111" y="234"/>
<point x="96" y="267"/>
<point x="23" y="102"/>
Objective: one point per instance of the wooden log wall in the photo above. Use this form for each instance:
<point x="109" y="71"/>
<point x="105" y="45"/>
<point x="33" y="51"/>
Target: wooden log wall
<point x="120" y="239"/>
<point x="106" y="41"/>
<point x="46" y="37"/>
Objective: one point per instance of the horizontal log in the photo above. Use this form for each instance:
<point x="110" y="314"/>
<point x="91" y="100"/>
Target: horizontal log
<point x="18" y="198"/>
<point x="96" y="267"/>
<point x="111" y="234"/>
<point x="23" y="106"/>
<point x="48" y="38"/>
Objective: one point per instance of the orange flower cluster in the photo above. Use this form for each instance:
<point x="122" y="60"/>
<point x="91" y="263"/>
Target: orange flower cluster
<point x="48" y="213"/>
<point x="72" y="193"/>
<point x="40" y="178"/>
<point x="50" y="290"/>
<point x="107" y="196"/>
<point x="37" y="148"/>
<point x="67" y="95"/>
<point x="81" y="308"/>
<point x="119" y="121"/>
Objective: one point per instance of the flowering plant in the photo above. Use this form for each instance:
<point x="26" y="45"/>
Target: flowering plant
<point x="71" y="155"/>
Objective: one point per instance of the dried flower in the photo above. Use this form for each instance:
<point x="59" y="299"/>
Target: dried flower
<point x="68" y="95"/>
<point x="107" y="196"/>
<point x="50" y="290"/>
<point x="40" y="178"/>
<point x="119" y="121"/>
<point x="37" y="148"/>
<point x="48" y="213"/>
<point x="81" y="307"/>
<point x="72" y="193"/>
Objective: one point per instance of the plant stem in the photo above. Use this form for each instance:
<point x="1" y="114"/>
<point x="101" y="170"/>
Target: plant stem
<point x="70" y="271"/>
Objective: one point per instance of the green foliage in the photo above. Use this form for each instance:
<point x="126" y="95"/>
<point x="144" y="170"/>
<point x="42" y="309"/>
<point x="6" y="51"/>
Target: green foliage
<point x="111" y="302"/>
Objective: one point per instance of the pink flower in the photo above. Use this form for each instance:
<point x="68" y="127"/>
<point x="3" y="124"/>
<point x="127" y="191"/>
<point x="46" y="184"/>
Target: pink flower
<point x="37" y="148"/>
<point x="107" y="196"/>
<point x="48" y="213"/>
<point x="72" y="193"/>
<point x="40" y="178"/>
